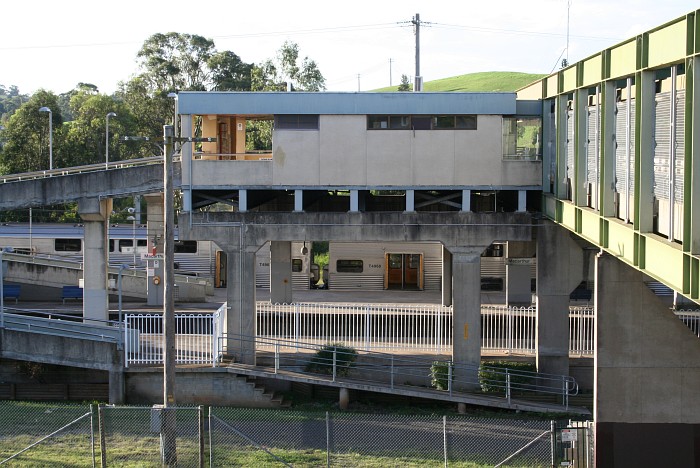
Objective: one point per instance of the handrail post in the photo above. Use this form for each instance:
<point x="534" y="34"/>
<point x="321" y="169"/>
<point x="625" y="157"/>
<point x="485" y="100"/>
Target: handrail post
<point x="277" y="356"/>
<point x="449" y="376"/>
<point x="335" y="350"/>
<point x="392" y="371"/>
<point x="508" y="387"/>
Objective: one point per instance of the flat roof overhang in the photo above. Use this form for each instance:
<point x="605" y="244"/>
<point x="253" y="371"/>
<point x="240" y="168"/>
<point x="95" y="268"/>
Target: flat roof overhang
<point x="333" y="103"/>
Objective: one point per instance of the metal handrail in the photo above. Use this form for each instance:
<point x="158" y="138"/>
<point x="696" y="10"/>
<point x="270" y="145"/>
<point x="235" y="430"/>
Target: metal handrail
<point x="57" y="325"/>
<point x="81" y="169"/>
<point x="398" y="368"/>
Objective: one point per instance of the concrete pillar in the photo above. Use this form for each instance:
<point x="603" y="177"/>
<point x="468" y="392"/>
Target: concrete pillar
<point x="95" y="215"/>
<point x="243" y="201"/>
<point x="410" y="201"/>
<point x="298" y="200"/>
<point x="647" y="372"/>
<point x="466" y="200"/>
<point x="522" y="200"/>
<point x="116" y="387"/>
<point x="466" y="306"/>
<point x="446" y="277"/>
<point x="559" y="271"/>
<point x="240" y="297"/>
<point x="354" y="201"/>
<point x="155" y="229"/>
<point x="519" y="259"/>
<point x="281" y="272"/>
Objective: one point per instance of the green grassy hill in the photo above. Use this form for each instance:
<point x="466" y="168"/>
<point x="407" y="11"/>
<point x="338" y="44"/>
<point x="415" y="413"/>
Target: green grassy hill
<point x="475" y="82"/>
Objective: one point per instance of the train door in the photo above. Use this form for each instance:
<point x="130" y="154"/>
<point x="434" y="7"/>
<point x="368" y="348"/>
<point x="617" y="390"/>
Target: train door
<point x="220" y="271"/>
<point x="403" y="271"/>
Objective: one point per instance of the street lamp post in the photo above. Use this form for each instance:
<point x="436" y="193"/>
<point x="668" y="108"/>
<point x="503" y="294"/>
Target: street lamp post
<point x="46" y="109"/>
<point x="111" y="114"/>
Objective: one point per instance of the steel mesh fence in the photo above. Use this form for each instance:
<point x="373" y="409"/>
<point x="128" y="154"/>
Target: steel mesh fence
<point x="146" y="436"/>
<point x="263" y="437"/>
<point x="40" y="434"/>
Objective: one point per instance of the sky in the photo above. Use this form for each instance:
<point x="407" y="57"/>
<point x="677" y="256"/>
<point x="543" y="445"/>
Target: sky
<point x="358" y="45"/>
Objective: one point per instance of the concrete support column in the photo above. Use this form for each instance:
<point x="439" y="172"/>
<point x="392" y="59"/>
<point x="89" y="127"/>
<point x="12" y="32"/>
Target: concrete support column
<point x="116" y="387"/>
<point x="243" y="201"/>
<point x="95" y="215"/>
<point x="559" y="271"/>
<point x="647" y="371"/>
<point x="240" y="298"/>
<point x="446" y="277"/>
<point x="466" y="303"/>
<point x="298" y="200"/>
<point x="519" y="259"/>
<point x="466" y="200"/>
<point x="354" y="201"/>
<point x="522" y="201"/>
<point x="410" y="201"/>
<point x="155" y="229"/>
<point x="281" y="272"/>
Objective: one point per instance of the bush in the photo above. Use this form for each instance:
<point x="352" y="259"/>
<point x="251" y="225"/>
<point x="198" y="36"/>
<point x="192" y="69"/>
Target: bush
<point x="492" y="375"/>
<point x="322" y="362"/>
<point x="440" y="374"/>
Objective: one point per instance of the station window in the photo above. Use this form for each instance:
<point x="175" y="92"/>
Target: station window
<point x="67" y="245"/>
<point x="349" y="266"/>
<point x="186" y="246"/>
<point x="297" y="265"/>
<point x="296" y="122"/>
<point x="421" y="122"/>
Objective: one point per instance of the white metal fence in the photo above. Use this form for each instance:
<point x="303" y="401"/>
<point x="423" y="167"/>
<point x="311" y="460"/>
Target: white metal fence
<point x="423" y="327"/>
<point x="378" y="327"/>
<point x="196" y="338"/>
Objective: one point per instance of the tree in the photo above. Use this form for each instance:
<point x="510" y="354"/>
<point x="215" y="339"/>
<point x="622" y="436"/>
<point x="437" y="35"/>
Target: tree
<point x="175" y="61"/>
<point x="229" y="72"/>
<point x="287" y="69"/>
<point x="85" y="135"/>
<point x="10" y="101"/>
<point x="405" y="84"/>
<point x="26" y="136"/>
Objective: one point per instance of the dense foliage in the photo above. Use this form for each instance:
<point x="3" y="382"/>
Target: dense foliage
<point x="168" y="63"/>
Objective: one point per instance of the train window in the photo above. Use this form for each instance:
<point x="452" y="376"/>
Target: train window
<point x="111" y="245"/>
<point x="297" y="265"/>
<point x="186" y="246"/>
<point x="141" y="243"/>
<point x="414" y="261"/>
<point x="349" y="266"/>
<point x="126" y="245"/>
<point x="67" y="245"/>
<point x="465" y="122"/>
<point x="296" y="122"/>
<point x="493" y="250"/>
<point x="395" y="260"/>
<point x="444" y="121"/>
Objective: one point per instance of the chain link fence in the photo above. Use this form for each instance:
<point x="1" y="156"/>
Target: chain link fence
<point x="33" y="434"/>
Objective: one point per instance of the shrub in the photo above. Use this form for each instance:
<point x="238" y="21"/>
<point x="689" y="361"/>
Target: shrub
<point x="322" y="362"/>
<point x="492" y="375"/>
<point x="440" y="374"/>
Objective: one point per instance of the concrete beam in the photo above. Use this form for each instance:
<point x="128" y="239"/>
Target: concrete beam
<point x="450" y="228"/>
<point x="114" y="183"/>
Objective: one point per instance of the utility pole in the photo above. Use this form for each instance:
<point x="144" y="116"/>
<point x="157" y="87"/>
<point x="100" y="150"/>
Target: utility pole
<point x="390" y="83"/>
<point x="168" y="415"/>
<point x="358" y="82"/>
<point x="418" y="81"/>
